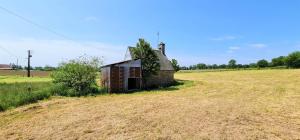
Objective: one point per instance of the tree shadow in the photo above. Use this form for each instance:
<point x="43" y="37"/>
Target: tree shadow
<point x="176" y="85"/>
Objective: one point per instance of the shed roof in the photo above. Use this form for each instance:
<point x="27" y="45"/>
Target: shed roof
<point x="117" y="63"/>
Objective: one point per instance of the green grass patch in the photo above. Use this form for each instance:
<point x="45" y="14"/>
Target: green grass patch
<point x="19" y="79"/>
<point x="16" y="94"/>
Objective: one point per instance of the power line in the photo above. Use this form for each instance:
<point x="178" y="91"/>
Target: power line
<point x="43" y="27"/>
<point x="33" y="23"/>
<point x="7" y="51"/>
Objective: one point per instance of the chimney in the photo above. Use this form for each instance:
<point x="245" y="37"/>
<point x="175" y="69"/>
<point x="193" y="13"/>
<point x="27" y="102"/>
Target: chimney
<point x="162" y="48"/>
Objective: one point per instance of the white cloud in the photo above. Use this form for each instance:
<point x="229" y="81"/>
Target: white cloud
<point x="52" y="52"/>
<point x="223" y="38"/>
<point x="258" y="45"/>
<point x="91" y="19"/>
<point x="232" y="49"/>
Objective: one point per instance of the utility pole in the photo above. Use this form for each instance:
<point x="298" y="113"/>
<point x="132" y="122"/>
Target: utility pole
<point x="28" y="67"/>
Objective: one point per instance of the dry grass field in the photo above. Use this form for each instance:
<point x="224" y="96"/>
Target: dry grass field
<point x="252" y="104"/>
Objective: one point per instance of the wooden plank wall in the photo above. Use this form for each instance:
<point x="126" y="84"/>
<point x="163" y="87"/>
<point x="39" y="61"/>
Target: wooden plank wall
<point x="117" y="79"/>
<point x="135" y="72"/>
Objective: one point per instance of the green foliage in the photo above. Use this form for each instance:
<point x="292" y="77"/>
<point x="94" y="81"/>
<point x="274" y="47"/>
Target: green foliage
<point x="16" y="67"/>
<point x="175" y="65"/>
<point x="46" y="68"/>
<point x="293" y="60"/>
<point x="49" y="68"/>
<point x="38" y="68"/>
<point x="252" y="65"/>
<point x="232" y="63"/>
<point x="17" y="94"/>
<point x="262" y="63"/>
<point x="76" y="77"/>
<point x="281" y="62"/>
<point x="150" y="61"/>
<point x="278" y="61"/>
<point x="201" y="66"/>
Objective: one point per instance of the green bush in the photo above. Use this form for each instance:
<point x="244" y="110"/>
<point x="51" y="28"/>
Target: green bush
<point x="76" y="77"/>
<point x="262" y="63"/>
<point x="278" y="61"/>
<point x="293" y="60"/>
<point x="175" y="65"/>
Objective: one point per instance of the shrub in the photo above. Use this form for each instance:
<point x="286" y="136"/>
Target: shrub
<point x="278" y="61"/>
<point x="175" y="65"/>
<point x="262" y="63"/>
<point x="293" y="60"/>
<point x="76" y="77"/>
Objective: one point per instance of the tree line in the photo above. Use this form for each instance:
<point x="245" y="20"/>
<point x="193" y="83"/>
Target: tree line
<point x="290" y="61"/>
<point x="39" y="68"/>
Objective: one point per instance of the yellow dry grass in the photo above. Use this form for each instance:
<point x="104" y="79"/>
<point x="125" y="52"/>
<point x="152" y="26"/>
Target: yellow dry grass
<point x="220" y="105"/>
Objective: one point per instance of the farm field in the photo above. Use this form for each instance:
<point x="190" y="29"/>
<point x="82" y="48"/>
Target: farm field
<point x="23" y="73"/>
<point x="19" y="79"/>
<point x="255" y="104"/>
<point x="16" y="90"/>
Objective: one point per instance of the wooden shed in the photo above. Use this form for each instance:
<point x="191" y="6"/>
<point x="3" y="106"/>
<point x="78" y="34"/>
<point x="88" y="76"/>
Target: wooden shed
<point x="122" y="76"/>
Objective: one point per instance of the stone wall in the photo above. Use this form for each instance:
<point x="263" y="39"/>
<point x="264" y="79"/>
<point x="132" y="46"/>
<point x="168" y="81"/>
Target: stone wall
<point x="163" y="78"/>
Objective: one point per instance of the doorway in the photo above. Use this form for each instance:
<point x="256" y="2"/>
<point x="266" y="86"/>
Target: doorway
<point x="133" y="83"/>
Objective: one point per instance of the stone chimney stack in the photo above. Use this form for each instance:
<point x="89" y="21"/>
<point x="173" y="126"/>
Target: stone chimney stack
<point x="162" y="48"/>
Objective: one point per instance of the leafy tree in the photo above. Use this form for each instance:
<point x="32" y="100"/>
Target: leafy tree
<point x="49" y="68"/>
<point x="239" y="66"/>
<point x="279" y="61"/>
<point x="175" y="65"/>
<point x="39" y="68"/>
<point x="150" y="61"/>
<point x="252" y="65"/>
<point x="232" y="63"/>
<point x="215" y="66"/>
<point x="222" y="66"/>
<point x="208" y="66"/>
<point x="31" y="68"/>
<point x="246" y="66"/>
<point x="193" y="67"/>
<point x="184" y="68"/>
<point x="293" y="60"/>
<point x="16" y="67"/>
<point x="262" y="63"/>
<point x="201" y="66"/>
<point x="76" y="77"/>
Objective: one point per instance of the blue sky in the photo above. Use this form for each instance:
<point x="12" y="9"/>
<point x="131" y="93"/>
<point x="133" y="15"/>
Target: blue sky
<point x="195" y="31"/>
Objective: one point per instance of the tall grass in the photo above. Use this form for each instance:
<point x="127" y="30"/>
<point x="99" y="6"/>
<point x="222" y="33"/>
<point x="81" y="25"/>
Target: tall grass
<point x="17" y="94"/>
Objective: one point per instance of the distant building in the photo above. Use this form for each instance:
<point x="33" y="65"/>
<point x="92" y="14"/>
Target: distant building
<point x="5" y="67"/>
<point x="127" y="75"/>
